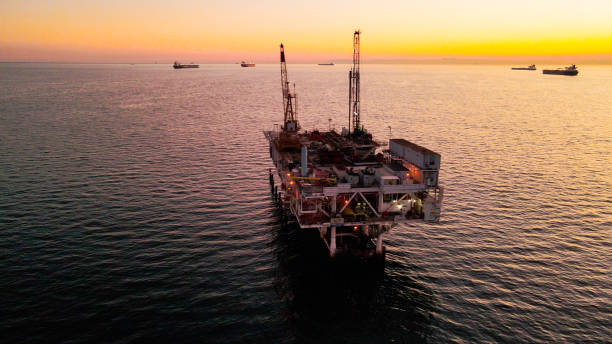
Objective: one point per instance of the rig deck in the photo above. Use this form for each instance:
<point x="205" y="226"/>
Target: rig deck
<point x="345" y="184"/>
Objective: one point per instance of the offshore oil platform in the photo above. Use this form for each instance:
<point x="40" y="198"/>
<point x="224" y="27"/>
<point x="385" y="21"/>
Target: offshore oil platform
<point x="347" y="185"/>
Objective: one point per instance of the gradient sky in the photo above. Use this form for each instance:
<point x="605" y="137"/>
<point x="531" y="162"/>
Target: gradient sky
<point x="315" y="30"/>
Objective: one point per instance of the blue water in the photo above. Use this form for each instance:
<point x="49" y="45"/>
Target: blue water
<point x="135" y="207"/>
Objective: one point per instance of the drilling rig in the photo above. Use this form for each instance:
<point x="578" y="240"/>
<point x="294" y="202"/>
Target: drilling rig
<point x="343" y="184"/>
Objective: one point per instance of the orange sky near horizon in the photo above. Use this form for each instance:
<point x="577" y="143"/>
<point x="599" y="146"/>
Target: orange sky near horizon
<point x="233" y="30"/>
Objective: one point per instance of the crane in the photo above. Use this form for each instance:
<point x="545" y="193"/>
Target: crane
<point x="289" y="99"/>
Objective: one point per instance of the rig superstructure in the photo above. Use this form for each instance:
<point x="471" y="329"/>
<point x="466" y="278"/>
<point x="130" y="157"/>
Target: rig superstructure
<point x="346" y="185"/>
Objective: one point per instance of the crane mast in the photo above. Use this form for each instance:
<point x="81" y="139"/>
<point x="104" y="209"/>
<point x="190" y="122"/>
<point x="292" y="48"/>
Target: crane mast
<point x="289" y="100"/>
<point x="354" y="87"/>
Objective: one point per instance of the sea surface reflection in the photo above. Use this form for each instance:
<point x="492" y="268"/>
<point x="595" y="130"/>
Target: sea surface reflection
<point x="347" y="299"/>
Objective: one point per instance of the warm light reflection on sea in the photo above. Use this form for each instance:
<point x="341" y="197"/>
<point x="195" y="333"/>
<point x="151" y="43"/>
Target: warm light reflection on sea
<point x="135" y="206"/>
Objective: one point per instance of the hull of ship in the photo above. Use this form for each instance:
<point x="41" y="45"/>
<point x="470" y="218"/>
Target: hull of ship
<point x="560" y="72"/>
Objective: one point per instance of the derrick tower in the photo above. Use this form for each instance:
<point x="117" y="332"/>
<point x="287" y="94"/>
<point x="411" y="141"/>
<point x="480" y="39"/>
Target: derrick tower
<point x="354" y="87"/>
<point x="290" y="123"/>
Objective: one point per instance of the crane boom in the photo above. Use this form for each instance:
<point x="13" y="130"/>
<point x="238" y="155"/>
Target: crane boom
<point x="289" y="105"/>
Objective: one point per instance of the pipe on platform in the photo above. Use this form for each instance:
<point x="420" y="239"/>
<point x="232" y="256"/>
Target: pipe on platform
<point x="304" y="161"/>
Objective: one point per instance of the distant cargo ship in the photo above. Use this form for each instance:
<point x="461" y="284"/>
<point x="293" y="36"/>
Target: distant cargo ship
<point x="571" y="70"/>
<point x="326" y="64"/>
<point x="246" y="64"/>
<point x="178" y="65"/>
<point x="531" y="67"/>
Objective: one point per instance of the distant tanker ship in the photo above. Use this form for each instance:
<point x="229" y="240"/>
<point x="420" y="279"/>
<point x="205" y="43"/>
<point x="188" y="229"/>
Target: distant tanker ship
<point x="178" y="65"/>
<point x="531" y="67"/>
<point x="571" y="70"/>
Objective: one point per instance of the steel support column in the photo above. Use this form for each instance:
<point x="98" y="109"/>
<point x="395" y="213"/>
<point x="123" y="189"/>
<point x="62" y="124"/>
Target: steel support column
<point x="332" y="245"/>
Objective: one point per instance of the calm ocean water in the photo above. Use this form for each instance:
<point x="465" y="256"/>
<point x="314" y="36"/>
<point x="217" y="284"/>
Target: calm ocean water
<point x="135" y="207"/>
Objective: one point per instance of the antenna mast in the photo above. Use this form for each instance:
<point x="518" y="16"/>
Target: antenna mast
<point x="354" y="86"/>
<point x="289" y="107"/>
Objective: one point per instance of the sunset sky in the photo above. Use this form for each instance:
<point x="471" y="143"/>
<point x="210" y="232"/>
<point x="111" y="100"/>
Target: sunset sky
<point x="316" y="30"/>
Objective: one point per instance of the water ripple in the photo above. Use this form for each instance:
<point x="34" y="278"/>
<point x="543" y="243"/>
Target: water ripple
<point x="135" y="207"/>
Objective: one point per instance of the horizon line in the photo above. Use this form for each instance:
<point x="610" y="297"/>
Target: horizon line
<point x="606" y="61"/>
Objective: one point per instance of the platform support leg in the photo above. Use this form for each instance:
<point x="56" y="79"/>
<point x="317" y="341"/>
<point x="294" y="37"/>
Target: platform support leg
<point x="332" y="245"/>
<point x="333" y="206"/>
<point x="379" y="244"/>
